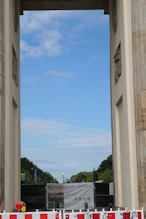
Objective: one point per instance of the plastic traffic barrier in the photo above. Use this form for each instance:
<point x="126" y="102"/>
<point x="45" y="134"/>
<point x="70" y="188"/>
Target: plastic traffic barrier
<point x="31" y="215"/>
<point x="134" y="214"/>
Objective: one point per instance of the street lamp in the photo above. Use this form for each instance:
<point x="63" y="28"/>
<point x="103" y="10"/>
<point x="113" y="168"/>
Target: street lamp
<point x="95" y="178"/>
<point x="94" y="170"/>
<point x="95" y="175"/>
<point x="63" y="177"/>
<point x="85" y="176"/>
<point x="41" y="179"/>
<point x="32" y="174"/>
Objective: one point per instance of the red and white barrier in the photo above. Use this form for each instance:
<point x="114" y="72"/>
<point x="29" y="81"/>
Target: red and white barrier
<point x="76" y="215"/>
<point x="105" y="215"/>
<point x="31" y="215"/>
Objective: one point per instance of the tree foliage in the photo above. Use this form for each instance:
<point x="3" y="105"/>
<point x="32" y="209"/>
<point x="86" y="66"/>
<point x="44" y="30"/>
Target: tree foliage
<point x="82" y="177"/>
<point x="28" y="168"/>
<point x="105" y="164"/>
<point x="104" y="173"/>
<point x="106" y="176"/>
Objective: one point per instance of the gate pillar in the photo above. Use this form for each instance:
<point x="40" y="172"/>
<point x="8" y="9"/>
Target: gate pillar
<point x="9" y="104"/>
<point x="139" y="72"/>
<point x="123" y="104"/>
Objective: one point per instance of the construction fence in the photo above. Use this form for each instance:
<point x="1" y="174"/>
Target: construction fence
<point x="125" y="214"/>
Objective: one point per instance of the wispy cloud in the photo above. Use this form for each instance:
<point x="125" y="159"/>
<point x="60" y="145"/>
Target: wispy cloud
<point x="44" y="78"/>
<point x="44" y="161"/>
<point x="93" y="58"/>
<point x="67" y="75"/>
<point x="67" y="148"/>
<point x="33" y="80"/>
<point x="67" y="160"/>
<point x="54" y="145"/>
<point x="29" y="50"/>
<point x="47" y="44"/>
<point x="66" y="135"/>
<point x="38" y="20"/>
<point x="51" y="32"/>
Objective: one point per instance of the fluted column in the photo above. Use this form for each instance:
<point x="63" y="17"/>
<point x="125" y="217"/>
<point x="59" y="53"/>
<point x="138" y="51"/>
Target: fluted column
<point x="139" y="59"/>
<point x="2" y="104"/>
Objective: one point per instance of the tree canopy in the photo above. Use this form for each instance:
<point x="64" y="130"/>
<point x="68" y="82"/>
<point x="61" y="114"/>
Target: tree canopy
<point x="29" y="167"/>
<point x="105" y="164"/>
<point x="104" y="172"/>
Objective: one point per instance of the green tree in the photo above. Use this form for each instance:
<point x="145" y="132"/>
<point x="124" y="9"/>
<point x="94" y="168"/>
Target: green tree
<point x="107" y="175"/>
<point x="28" y="167"/>
<point x="106" y="164"/>
<point x="89" y="177"/>
<point x="104" y="173"/>
<point x="82" y="177"/>
<point x="28" y="176"/>
<point x="78" y="177"/>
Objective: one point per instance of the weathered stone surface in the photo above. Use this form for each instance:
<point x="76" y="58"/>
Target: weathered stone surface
<point x="1" y="192"/>
<point x="15" y="8"/>
<point x="139" y="57"/>
<point x="118" y="67"/>
<point x="15" y="66"/>
<point x="114" y="15"/>
<point x="2" y="104"/>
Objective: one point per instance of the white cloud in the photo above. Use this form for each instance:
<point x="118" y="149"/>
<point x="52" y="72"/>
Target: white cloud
<point x="47" y="44"/>
<point x="67" y="135"/>
<point x="29" y="51"/>
<point x="38" y="20"/>
<point x="48" y="28"/>
<point x="67" y="160"/>
<point x="67" y="75"/>
<point x="33" y="80"/>
<point x="67" y="148"/>
<point x="93" y="58"/>
<point x="44" y="161"/>
<point x="45" y="79"/>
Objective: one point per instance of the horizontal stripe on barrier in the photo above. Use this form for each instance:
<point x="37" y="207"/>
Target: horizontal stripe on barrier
<point x="33" y="215"/>
<point x="105" y="215"/>
<point x="95" y="216"/>
<point x="75" y="215"/>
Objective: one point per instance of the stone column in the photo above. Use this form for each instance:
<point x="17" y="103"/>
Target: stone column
<point x="139" y="59"/>
<point x="123" y="105"/>
<point x="2" y="104"/>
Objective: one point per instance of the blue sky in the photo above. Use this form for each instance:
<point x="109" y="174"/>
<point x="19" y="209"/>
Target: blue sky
<point x="65" y="90"/>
